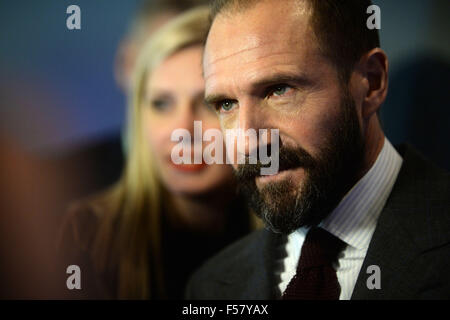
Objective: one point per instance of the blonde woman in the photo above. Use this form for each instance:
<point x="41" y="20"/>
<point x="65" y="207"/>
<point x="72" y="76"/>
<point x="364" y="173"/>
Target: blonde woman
<point x="144" y="236"/>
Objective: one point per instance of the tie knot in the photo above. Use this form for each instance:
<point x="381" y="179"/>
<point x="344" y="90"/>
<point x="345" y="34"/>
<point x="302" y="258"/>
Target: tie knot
<point x="319" y="249"/>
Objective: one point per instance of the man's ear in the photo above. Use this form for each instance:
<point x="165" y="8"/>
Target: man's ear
<point x="374" y="68"/>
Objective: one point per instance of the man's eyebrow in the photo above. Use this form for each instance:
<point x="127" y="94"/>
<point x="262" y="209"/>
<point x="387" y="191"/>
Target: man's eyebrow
<point x="212" y="99"/>
<point x="280" y="78"/>
<point x="263" y="82"/>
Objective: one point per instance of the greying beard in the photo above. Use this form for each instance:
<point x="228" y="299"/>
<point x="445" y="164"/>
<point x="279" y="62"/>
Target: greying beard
<point x="285" y="206"/>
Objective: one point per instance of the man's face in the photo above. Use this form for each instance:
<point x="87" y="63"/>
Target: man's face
<point x="263" y="70"/>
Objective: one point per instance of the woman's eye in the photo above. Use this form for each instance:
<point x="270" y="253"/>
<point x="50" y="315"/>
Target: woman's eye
<point x="160" y="104"/>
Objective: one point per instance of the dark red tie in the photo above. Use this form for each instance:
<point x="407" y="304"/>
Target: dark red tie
<point x="316" y="278"/>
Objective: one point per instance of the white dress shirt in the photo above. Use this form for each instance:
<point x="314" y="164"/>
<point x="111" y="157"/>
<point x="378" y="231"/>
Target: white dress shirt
<point x="353" y="221"/>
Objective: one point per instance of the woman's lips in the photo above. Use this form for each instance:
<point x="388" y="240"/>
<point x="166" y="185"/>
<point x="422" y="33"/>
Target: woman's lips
<point x="189" y="168"/>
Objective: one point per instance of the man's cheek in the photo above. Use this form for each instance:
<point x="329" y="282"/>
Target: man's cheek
<point x="229" y="121"/>
<point x="314" y="135"/>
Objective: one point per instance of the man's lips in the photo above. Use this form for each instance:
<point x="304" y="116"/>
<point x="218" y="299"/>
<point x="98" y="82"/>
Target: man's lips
<point x="262" y="180"/>
<point x="272" y="177"/>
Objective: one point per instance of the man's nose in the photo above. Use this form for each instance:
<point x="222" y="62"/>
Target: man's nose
<point x="250" y="121"/>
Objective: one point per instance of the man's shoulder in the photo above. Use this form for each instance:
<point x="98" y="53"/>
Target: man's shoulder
<point x="421" y="185"/>
<point x="420" y="166"/>
<point x="411" y="242"/>
<point x="420" y="199"/>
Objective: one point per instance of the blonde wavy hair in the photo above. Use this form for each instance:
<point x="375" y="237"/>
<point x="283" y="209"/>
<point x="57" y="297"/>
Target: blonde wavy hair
<point x="129" y="228"/>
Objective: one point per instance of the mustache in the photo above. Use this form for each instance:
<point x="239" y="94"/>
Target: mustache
<point x="289" y="158"/>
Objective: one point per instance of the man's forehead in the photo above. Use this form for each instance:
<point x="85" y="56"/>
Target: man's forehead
<point x="250" y="51"/>
<point x="259" y="30"/>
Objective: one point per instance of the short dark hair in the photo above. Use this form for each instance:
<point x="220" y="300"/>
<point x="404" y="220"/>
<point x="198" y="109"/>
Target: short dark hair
<point x="339" y="26"/>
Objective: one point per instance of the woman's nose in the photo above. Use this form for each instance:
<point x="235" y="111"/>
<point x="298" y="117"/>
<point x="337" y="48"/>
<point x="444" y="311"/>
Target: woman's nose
<point x="185" y="117"/>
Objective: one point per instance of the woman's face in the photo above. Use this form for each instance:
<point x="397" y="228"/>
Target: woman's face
<point x="174" y="100"/>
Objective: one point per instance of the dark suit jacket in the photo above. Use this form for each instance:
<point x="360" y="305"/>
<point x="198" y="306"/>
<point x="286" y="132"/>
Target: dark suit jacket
<point x="411" y="245"/>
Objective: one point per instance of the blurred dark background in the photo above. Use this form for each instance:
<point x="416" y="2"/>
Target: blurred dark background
<point x="61" y="111"/>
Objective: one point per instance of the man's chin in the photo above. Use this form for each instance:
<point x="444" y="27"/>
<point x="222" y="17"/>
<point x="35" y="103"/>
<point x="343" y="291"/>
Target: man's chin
<point x="277" y="196"/>
<point x="277" y="205"/>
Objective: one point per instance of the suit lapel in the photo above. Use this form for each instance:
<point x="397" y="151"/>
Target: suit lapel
<point x="254" y="279"/>
<point x="400" y="235"/>
<point x="384" y="252"/>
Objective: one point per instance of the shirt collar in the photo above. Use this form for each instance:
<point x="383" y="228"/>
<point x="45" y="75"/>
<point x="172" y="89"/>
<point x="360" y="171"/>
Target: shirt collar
<point x="355" y="218"/>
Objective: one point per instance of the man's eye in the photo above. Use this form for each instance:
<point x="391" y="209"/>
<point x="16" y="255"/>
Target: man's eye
<point x="280" y="90"/>
<point x="225" y="106"/>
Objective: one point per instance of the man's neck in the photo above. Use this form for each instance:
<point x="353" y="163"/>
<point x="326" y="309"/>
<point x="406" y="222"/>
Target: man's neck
<point x="374" y="141"/>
